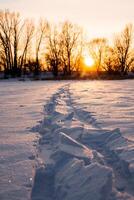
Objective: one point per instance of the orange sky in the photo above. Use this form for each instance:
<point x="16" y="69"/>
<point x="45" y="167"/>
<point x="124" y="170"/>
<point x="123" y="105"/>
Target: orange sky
<point x="98" y="17"/>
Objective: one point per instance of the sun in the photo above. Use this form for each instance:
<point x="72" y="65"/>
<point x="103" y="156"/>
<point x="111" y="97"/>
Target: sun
<point x="89" y="61"/>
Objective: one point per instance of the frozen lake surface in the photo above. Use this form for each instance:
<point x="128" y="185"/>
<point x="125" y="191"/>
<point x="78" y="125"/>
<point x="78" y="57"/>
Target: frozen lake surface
<point x="57" y="135"/>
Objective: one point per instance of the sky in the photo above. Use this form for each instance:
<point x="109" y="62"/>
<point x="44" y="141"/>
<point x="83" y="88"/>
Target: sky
<point x="99" y="18"/>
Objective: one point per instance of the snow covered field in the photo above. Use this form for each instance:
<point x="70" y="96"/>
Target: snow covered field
<point x="70" y="140"/>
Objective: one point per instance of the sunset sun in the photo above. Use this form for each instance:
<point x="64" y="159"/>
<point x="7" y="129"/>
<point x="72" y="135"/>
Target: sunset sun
<point x="88" y="61"/>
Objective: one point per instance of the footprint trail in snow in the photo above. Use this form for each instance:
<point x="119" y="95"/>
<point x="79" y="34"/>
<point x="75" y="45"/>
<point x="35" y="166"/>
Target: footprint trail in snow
<point x="78" y="159"/>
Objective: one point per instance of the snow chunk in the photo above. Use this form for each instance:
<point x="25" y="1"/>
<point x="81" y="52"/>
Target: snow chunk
<point x="70" y="148"/>
<point x="94" y="179"/>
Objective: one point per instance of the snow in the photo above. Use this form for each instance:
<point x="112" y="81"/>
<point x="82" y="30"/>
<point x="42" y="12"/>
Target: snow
<point x="67" y="140"/>
<point x="76" y="181"/>
<point x="20" y="109"/>
<point x="109" y="102"/>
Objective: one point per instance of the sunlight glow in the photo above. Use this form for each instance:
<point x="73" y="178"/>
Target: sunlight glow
<point x="89" y="61"/>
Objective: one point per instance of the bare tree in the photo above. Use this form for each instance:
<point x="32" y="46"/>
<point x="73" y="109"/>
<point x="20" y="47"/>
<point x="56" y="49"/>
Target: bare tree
<point x="123" y="48"/>
<point x="53" y="54"/>
<point x="28" y="33"/>
<point x="10" y="36"/>
<point x="97" y="49"/>
<point x="70" y="36"/>
<point x="6" y="21"/>
<point x="16" y="37"/>
<point x="110" y="61"/>
<point x="40" y="35"/>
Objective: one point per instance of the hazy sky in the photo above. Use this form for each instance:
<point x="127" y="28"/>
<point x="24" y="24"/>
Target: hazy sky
<point x="98" y="17"/>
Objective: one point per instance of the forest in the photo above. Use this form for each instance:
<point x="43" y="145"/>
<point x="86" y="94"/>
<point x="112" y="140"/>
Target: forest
<point x="29" y="49"/>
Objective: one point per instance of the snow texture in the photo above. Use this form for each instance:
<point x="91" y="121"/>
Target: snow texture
<point x="83" y="148"/>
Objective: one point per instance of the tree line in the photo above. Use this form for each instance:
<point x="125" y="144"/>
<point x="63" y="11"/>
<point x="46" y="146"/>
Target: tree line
<point x="31" y="48"/>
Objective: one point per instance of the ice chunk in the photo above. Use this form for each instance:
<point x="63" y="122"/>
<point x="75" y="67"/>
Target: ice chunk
<point x="68" y="147"/>
<point x="77" y="181"/>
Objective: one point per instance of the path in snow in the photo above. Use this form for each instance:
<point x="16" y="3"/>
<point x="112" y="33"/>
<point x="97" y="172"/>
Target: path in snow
<point x="20" y="109"/>
<point x="77" y="158"/>
<point x="79" y="155"/>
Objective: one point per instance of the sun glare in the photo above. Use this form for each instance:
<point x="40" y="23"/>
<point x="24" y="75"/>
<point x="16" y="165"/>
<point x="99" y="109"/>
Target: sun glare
<point x="88" y="61"/>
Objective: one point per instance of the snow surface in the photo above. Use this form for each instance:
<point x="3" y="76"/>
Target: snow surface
<point x="20" y="110"/>
<point x="67" y="140"/>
